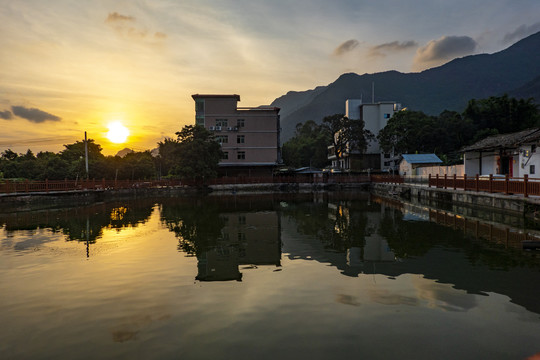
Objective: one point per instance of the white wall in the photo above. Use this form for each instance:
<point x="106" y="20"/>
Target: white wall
<point x="441" y="170"/>
<point x="405" y="168"/>
<point x="489" y="163"/>
<point x="524" y="162"/>
<point x="352" y="108"/>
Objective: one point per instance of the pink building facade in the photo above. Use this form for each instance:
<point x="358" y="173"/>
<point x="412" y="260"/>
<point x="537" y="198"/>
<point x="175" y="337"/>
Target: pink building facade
<point x="249" y="137"/>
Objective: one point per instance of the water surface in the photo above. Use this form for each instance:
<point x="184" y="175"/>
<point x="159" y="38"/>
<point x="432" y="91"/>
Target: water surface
<point x="319" y="276"/>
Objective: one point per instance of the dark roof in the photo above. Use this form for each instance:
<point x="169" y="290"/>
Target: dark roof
<point x="215" y="96"/>
<point x="421" y="158"/>
<point x="505" y="141"/>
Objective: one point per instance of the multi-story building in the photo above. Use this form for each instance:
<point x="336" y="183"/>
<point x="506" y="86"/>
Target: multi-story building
<point x="249" y="136"/>
<point x="375" y="117"/>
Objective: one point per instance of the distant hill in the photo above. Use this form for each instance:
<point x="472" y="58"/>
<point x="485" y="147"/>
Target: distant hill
<point x="124" y="152"/>
<point x="515" y="71"/>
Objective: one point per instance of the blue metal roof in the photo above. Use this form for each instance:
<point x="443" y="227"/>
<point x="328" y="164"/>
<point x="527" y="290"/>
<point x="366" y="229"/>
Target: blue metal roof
<point x="421" y="158"/>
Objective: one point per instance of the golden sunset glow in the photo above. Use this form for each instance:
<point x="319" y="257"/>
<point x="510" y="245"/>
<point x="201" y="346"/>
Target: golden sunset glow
<point x="118" y="133"/>
<point x="69" y="65"/>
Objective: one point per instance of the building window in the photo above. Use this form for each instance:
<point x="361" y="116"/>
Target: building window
<point x="241" y="155"/>
<point x="199" y="120"/>
<point x="242" y="219"/>
<point x="387" y="116"/>
<point x="240" y="139"/>
<point x="222" y="139"/>
<point x="241" y="237"/>
<point x="533" y="148"/>
<point x="531" y="169"/>
<point x="225" y="155"/>
<point x="240" y="123"/>
<point x="221" y="122"/>
<point x="199" y="105"/>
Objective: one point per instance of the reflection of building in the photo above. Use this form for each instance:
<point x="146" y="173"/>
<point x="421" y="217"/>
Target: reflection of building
<point x="249" y="137"/>
<point x="246" y="239"/>
<point x="219" y="264"/>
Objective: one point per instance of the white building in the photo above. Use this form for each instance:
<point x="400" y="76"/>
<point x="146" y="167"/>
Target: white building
<point x="375" y="117"/>
<point x="512" y="154"/>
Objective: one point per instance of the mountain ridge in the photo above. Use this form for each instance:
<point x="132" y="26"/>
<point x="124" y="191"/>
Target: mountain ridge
<point x="514" y="70"/>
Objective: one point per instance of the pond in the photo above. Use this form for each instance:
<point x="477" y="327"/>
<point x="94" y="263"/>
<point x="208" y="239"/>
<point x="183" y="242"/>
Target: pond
<point x="266" y="276"/>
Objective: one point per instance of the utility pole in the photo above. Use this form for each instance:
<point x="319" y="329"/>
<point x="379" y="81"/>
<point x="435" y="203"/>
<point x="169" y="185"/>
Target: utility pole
<point x="86" y="153"/>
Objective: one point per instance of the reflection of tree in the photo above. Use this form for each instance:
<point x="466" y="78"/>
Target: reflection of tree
<point x="81" y="223"/>
<point x="339" y="227"/>
<point x="195" y="222"/>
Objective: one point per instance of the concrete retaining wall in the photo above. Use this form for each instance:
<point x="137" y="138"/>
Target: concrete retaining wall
<point x="512" y="203"/>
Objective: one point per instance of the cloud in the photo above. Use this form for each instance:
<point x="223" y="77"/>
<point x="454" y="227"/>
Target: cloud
<point x="160" y="35"/>
<point x="443" y="49"/>
<point x="346" y="47"/>
<point x="116" y="17"/>
<point x="391" y="47"/>
<point x="6" y="115"/>
<point x="128" y="27"/>
<point x="33" y="114"/>
<point x="521" y="32"/>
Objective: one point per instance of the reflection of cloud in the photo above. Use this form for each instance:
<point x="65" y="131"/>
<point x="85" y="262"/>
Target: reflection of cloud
<point x="444" y="296"/>
<point x="443" y="49"/>
<point x="6" y="115"/>
<point x="347" y="300"/>
<point x="392" y="47"/>
<point x="33" y="114"/>
<point x="133" y="325"/>
<point x="521" y="32"/>
<point x="346" y="47"/>
<point x="385" y="297"/>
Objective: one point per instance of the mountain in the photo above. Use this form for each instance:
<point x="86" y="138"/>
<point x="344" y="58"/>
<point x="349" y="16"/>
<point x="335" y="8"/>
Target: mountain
<point x="515" y="71"/>
<point x="124" y="152"/>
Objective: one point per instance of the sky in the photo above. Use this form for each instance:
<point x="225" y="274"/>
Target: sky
<point x="68" y="66"/>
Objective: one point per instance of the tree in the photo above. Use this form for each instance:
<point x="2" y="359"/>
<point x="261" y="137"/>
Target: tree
<point x="199" y="154"/>
<point x="348" y="135"/>
<point x="308" y="146"/>
<point x="169" y="151"/>
<point x="138" y="165"/>
<point x="74" y="155"/>
<point x="408" y="132"/>
<point x="503" y="114"/>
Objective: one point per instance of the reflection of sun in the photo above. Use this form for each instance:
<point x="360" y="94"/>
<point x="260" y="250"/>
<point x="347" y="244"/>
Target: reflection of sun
<point x="118" y="133"/>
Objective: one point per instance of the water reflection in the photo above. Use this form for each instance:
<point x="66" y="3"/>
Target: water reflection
<point x="225" y="238"/>
<point x="323" y="275"/>
<point x="356" y="233"/>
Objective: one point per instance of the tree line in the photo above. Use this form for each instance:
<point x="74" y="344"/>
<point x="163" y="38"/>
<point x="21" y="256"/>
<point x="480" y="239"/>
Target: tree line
<point x="193" y="154"/>
<point x="414" y="131"/>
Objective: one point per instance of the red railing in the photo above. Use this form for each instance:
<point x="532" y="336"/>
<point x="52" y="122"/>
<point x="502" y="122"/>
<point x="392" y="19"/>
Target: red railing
<point x="492" y="184"/>
<point x="27" y="186"/>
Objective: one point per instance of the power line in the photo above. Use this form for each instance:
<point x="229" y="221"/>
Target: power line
<point x="53" y="141"/>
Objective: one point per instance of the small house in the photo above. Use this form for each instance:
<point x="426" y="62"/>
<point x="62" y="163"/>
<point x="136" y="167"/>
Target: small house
<point x="410" y="162"/>
<point x="513" y="154"/>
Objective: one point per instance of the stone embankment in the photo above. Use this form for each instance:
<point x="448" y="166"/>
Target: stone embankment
<point x="517" y="204"/>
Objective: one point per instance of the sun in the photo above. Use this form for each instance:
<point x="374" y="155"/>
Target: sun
<point x="118" y="133"/>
